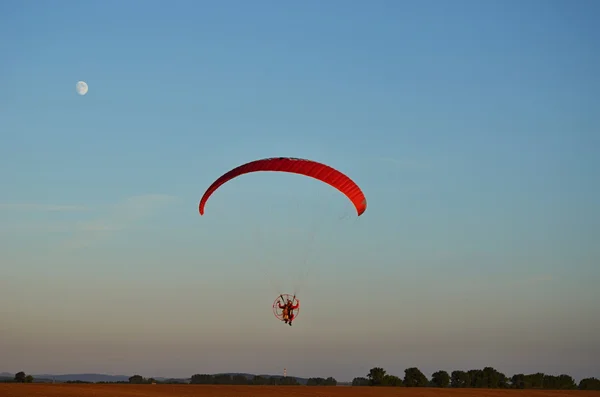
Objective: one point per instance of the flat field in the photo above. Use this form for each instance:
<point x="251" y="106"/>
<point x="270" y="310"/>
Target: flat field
<point x="104" y="390"/>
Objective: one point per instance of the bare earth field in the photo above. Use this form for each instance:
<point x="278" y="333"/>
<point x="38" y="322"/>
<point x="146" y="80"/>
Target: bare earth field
<point x="91" y="390"/>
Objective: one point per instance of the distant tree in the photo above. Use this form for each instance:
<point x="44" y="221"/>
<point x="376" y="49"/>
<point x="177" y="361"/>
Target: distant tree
<point x="413" y="377"/>
<point x="589" y="384"/>
<point x="502" y="381"/>
<point x="517" y="381"/>
<point x="551" y="382"/>
<point x="376" y="376"/>
<point x="151" y="380"/>
<point x="535" y="381"/>
<point x="330" y="381"/>
<point x="459" y="379"/>
<point x="29" y="379"/>
<point x="201" y="379"/>
<point x="315" y="382"/>
<point x="475" y="378"/>
<point x="222" y="379"/>
<point x="137" y="379"/>
<point x="488" y="378"/>
<point x="541" y="381"/>
<point x="560" y="382"/>
<point x="392" y="380"/>
<point x="20" y="377"/>
<point x="321" y="382"/>
<point x="259" y="380"/>
<point x="567" y="382"/>
<point x="360" y="381"/>
<point x="239" y="380"/>
<point x="440" y="379"/>
<point x="287" y="381"/>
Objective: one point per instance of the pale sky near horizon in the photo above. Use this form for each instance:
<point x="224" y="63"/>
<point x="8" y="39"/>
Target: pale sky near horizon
<point x="472" y="127"/>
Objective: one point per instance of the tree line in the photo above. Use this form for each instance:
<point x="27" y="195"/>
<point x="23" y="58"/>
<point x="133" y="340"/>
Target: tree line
<point x="488" y="378"/>
<point x="238" y="379"/>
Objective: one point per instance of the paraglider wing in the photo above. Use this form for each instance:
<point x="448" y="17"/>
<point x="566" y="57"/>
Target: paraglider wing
<point x="310" y="168"/>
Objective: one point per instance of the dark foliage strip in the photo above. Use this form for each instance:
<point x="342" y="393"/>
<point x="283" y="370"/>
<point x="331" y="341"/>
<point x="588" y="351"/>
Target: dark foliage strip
<point x="488" y="378"/>
<point x="476" y="378"/>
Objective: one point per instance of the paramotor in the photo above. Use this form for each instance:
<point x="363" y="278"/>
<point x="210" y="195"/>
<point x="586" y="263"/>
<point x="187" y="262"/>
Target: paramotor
<point x="279" y="308"/>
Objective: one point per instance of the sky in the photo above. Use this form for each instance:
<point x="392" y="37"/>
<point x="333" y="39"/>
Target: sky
<point x="472" y="127"/>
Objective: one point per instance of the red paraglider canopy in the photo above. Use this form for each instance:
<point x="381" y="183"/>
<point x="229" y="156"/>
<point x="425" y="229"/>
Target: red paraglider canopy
<point x="310" y="168"/>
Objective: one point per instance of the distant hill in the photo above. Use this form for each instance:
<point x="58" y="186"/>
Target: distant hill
<point x="85" y="377"/>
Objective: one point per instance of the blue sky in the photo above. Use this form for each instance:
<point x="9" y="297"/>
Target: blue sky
<point x="472" y="127"/>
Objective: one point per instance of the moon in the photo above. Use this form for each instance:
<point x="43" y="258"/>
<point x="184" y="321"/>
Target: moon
<point x="81" y="87"/>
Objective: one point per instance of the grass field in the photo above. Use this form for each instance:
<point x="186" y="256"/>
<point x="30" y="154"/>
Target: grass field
<point x="92" y="390"/>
